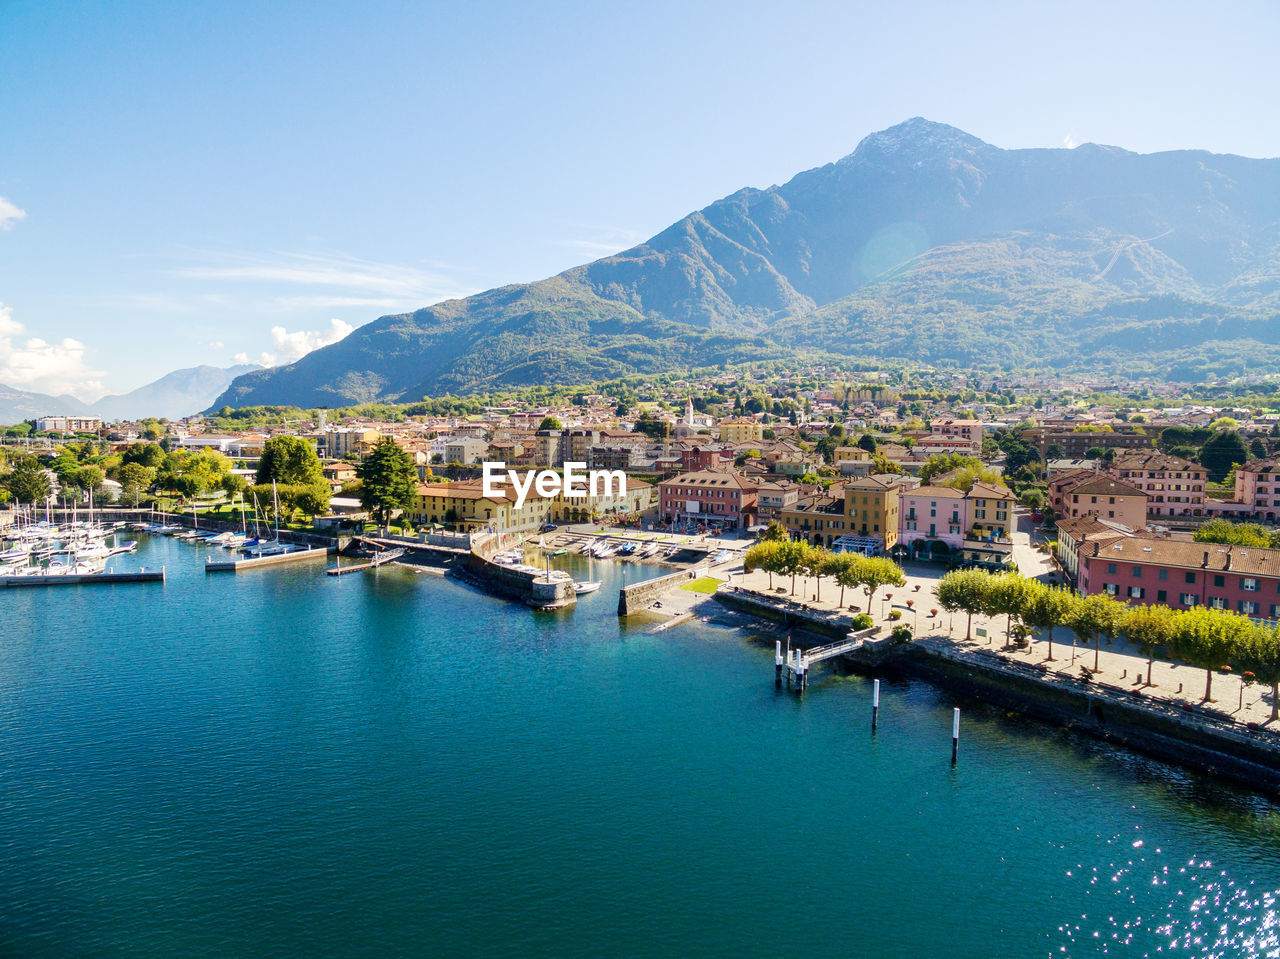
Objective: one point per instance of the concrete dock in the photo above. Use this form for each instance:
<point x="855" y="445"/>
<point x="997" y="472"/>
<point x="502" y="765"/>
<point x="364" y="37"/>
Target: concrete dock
<point x="254" y="562"/>
<point x="84" y="579"/>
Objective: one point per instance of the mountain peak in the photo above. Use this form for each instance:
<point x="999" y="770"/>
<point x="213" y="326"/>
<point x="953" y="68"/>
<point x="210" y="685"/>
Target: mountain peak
<point x="917" y="136"/>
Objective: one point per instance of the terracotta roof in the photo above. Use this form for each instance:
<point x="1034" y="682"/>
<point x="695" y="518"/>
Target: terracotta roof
<point x="711" y="479"/>
<point x="1207" y="556"/>
<point x="987" y="491"/>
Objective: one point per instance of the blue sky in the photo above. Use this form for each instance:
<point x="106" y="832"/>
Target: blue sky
<point x="188" y="183"/>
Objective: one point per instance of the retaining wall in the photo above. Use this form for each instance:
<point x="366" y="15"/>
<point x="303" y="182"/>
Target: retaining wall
<point x="638" y="596"/>
<point x="1146" y="725"/>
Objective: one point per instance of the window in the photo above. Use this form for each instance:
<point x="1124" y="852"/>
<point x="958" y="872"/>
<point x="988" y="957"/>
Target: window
<point x="1189" y="599"/>
<point x="1219" y="581"/>
<point x="1137" y="572"/>
<point x="1136" y="592"/>
<point x="1275" y="611"/>
<point x="1111" y="568"/>
<point x="1248" y="585"/>
<point x="1163" y="575"/>
<point x="1190" y="579"/>
<point x="1217" y="602"/>
<point x="1110" y="589"/>
<point x="1162" y="596"/>
<point x="1248" y="608"/>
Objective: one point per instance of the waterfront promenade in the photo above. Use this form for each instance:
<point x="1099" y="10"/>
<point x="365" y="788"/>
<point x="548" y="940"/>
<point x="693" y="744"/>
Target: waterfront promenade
<point x="1120" y="664"/>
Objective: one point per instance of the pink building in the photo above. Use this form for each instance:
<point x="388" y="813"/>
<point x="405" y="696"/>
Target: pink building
<point x="1258" y="489"/>
<point x="713" y="498"/>
<point x="932" y="514"/>
<point x="1148" y="570"/>
<point x="1174" y="486"/>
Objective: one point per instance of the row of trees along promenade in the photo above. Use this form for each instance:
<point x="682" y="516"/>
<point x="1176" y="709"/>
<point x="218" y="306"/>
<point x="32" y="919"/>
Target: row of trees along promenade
<point x="1214" y="640"/>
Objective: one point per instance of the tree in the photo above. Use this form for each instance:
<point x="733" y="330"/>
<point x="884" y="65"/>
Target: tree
<point x="389" y="480"/>
<point x="1093" y="617"/>
<point x="867" y="442"/>
<point x="1258" y="449"/>
<point x="233" y="484"/>
<point x="791" y="559"/>
<point x="762" y="555"/>
<point x="1054" y="452"/>
<point x="144" y="454"/>
<point x="872" y="572"/>
<point x="964" y="590"/>
<point x="1094" y="453"/>
<point x="1219" y="530"/>
<point x="843" y="568"/>
<point x="816" y="562"/>
<point x="1148" y="628"/>
<point x="776" y="532"/>
<point x="1007" y="595"/>
<point x="28" y="482"/>
<point x="1222" y="451"/>
<point x="1047" y="607"/>
<point x="550" y="423"/>
<point x="1209" y="639"/>
<point x="135" y="479"/>
<point x="313" y="500"/>
<point x="1260" y="655"/>
<point x="289" y="460"/>
<point x="1032" y="498"/>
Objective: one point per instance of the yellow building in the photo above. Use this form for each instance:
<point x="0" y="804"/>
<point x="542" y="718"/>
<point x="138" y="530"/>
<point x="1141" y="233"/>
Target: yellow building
<point x="463" y="506"/>
<point x="871" y="509"/>
<point x="741" y="431"/>
<point x="340" y="444"/>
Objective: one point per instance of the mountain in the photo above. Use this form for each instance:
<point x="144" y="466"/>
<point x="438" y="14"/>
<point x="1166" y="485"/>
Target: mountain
<point x="174" y="395"/>
<point x="924" y="245"/>
<point x="18" y="405"/>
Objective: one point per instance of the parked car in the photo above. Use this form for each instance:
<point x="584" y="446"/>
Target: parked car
<point x="550" y="527"/>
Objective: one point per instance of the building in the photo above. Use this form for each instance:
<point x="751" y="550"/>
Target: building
<point x="1174" y="486"/>
<point x="465" y="450"/>
<point x="350" y="443"/>
<point x="1073" y="444"/>
<point x="1147" y="569"/>
<point x="463" y="506"/>
<point x="69" y="424"/>
<point x="709" y="497"/>
<point x="864" y="512"/>
<point x="933" y="521"/>
<point x="963" y="436"/>
<point x="1258" y="488"/>
<point x="775" y="498"/>
<point x="1097" y="494"/>
<point x="741" y="431"/>
<point x="989" y="541"/>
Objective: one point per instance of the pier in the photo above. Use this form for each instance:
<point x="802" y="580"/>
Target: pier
<point x="254" y="562"/>
<point x="83" y="579"/>
<point x="386" y="556"/>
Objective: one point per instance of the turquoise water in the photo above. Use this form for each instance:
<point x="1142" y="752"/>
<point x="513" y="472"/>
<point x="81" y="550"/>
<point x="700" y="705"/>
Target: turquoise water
<point x="282" y="763"/>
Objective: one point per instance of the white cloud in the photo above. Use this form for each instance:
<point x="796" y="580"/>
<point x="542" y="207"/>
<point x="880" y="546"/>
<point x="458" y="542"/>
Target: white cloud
<point x="1070" y="141"/>
<point x="31" y="363"/>
<point x="294" y="346"/>
<point x="365" y="282"/>
<point x="605" y="242"/>
<point x="10" y="214"/>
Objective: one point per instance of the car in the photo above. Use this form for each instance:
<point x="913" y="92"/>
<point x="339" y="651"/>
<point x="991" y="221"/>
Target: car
<point x="550" y="528"/>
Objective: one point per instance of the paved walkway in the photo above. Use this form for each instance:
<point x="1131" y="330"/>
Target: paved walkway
<point x="1119" y="663"/>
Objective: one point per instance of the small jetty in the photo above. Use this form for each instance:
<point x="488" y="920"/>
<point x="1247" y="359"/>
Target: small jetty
<point x="276" y="559"/>
<point x="83" y="579"/>
<point x="378" y="559"/>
